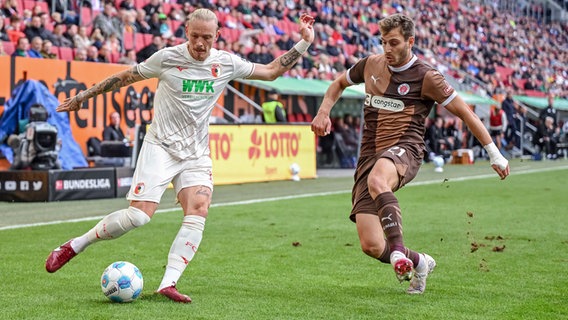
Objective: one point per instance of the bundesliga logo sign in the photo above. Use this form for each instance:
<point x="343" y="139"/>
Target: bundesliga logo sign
<point x="82" y="184"/>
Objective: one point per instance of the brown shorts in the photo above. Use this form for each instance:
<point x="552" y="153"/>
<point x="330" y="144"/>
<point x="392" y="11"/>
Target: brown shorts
<point x="407" y="166"/>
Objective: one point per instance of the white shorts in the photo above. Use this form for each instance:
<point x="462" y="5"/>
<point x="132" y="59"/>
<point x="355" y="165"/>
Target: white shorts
<point x="156" y="168"/>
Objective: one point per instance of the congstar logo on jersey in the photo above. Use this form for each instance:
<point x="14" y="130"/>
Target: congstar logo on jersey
<point x="82" y="184"/>
<point x="384" y="103"/>
<point x="197" y="89"/>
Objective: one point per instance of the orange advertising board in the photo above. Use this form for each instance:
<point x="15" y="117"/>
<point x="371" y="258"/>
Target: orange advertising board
<point x="244" y="153"/>
<point x="253" y="153"/>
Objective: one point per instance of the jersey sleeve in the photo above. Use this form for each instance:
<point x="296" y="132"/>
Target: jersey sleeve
<point x="356" y="74"/>
<point x="152" y="67"/>
<point x="243" y="67"/>
<point x="435" y="87"/>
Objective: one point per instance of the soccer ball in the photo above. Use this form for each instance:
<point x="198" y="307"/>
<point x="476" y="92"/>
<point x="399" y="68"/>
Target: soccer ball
<point x="295" y="171"/>
<point x="438" y="164"/>
<point x="122" y="282"/>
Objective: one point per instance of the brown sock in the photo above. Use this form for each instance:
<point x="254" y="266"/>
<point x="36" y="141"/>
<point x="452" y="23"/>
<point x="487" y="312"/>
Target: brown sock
<point x="389" y="214"/>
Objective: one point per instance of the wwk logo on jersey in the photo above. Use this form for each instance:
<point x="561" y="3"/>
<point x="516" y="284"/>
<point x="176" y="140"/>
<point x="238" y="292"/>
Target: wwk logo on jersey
<point x="198" y="86"/>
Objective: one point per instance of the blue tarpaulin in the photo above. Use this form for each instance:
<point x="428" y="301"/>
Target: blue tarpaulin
<point x="17" y="109"/>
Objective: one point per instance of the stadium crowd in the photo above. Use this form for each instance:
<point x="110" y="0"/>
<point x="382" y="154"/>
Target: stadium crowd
<point x="488" y="48"/>
<point x="499" y="49"/>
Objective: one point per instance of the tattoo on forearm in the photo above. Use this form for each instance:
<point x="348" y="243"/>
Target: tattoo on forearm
<point x="108" y="84"/>
<point x="289" y="58"/>
<point x="114" y="82"/>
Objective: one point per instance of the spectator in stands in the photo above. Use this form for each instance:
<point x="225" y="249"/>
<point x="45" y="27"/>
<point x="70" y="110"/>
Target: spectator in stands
<point x="58" y="37"/>
<point x="393" y="143"/>
<point x="285" y="42"/>
<point x="497" y="124"/>
<point x="10" y="8"/>
<point x="147" y="51"/>
<point x="436" y="138"/>
<point x="155" y="24"/>
<point x="128" y="5"/>
<point x="340" y="64"/>
<point x="113" y="132"/>
<point x="104" y="53"/>
<point x="324" y="64"/>
<point x="531" y="84"/>
<point x="152" y="7"/>
<point x="35" y="48"/>
<point x="13" y="29"/>
<point x="256" y="54"/>
<point x="348" y="130"/>
<point x="82" y="39"/>
<point x="107" y="21"/>
<point x="129" y="58"/>
<point x="2" y="51"/>
<point x="509" y="107"/>
<point x="3" y="34"/>
<point x="141" y="25"/>
<point x="93" y="54"/>
<point x="66" y="8"/>
<point x="80" y="54"/>
<point x="549" y="111"/>
<point x="272" y="109"/>
<point x="47" y="50"/>
<point x="176" y="147"/>
<point x="547" y="138"/>
<point x="35" y="29"/>
<point x="70" y="33"/>
<point x="345" y="143"/>
<point x="164" y="26"/>
<point x="113" y="43"/>
<point x="97" y="38"/>
<point x="22" y="48"/>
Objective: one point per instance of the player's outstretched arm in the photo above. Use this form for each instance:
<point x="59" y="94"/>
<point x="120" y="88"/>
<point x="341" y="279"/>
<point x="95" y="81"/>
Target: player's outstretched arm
<point x="459" y="108"/>
<point x="321" y="125"/>
<point x="113" y="82"/>
<point x="286" y="61"/>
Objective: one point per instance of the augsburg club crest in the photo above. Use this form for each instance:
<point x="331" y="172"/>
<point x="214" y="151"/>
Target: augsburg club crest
<point x="215" y="70"/>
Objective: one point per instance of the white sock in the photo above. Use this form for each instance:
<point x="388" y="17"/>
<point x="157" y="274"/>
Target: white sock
<point x="111" y="226"/>
<point x="183" y="249"/>
<point x="421" y="267"/>
<point x="395" y="256"/>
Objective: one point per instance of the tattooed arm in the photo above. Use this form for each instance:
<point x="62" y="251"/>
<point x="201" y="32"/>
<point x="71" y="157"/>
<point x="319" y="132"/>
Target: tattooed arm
<point x="113" y="82"/>
<point x="286" y="61"/>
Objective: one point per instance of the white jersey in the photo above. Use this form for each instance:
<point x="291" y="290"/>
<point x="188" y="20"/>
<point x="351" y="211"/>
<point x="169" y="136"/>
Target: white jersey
<point x="187" y="92"/>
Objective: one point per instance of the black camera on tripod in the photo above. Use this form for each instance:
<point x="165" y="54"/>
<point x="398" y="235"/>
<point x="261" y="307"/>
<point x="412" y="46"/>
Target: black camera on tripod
<point x="36" y="148"/>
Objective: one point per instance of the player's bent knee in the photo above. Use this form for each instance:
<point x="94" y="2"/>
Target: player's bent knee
<point x="137" y="217"/>
<point x="372" y="250"/>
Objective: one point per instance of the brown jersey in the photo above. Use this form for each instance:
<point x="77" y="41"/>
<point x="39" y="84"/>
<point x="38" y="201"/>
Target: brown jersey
<point x="397" y="102"/>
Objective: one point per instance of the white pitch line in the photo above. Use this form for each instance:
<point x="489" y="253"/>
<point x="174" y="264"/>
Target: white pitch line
<point x="319" y="194"/>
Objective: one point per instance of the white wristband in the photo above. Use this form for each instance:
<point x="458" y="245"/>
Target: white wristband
<point x="492" y="150"/>
<point x="495" y="156"/>
<point x="302" y="46"/>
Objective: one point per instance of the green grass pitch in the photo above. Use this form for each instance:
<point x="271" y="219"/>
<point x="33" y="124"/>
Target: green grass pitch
<point x="501" y="249"/>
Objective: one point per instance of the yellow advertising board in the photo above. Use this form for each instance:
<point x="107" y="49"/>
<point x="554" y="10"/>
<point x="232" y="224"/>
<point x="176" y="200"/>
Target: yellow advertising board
<point x="253" y="153"/>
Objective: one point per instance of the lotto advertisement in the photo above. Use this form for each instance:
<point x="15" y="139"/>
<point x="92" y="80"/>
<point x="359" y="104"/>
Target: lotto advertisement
<point x="252" y="153"/>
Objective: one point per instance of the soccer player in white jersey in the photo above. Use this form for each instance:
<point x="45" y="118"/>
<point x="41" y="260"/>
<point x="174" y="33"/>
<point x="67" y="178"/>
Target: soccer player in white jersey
<point x="191" y="76"/>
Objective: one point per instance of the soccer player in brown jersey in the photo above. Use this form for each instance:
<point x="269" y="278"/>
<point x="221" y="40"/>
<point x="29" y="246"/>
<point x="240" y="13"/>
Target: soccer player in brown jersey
<point x="400" y="92"/>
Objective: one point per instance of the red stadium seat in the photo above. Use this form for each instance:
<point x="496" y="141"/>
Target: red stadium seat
<point x="86" y="16"/>
<point x="139" y="41"/>
<point x="30" y="4"/>
<point x="114" y="57"/>
<point x="66" y="53"/>
<point x="128" y="40"/>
